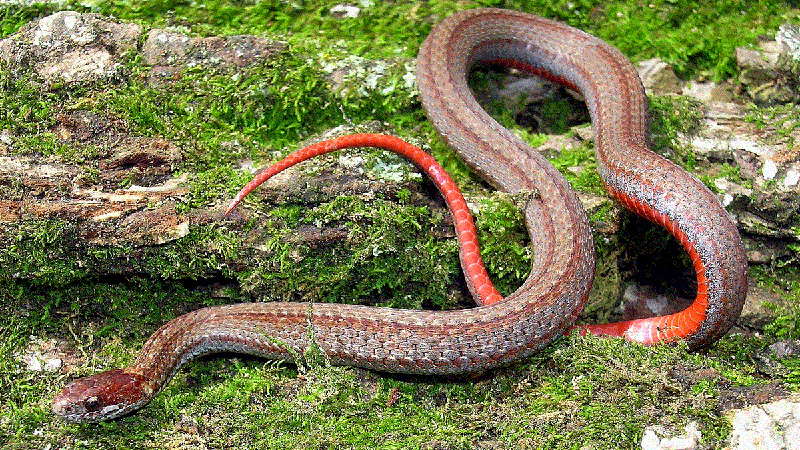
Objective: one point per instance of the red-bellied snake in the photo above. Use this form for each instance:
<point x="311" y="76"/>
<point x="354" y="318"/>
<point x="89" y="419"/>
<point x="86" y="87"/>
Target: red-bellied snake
<point x="499" y="330"/>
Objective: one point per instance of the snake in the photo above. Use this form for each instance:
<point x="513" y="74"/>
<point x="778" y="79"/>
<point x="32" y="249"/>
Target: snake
<point x="498" y="330"/>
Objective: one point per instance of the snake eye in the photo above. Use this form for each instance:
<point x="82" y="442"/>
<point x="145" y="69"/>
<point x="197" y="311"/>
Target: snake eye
<point x="92" y="404"/>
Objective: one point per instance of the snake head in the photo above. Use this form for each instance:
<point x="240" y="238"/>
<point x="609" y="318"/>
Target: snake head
<point x="103" y="396"/>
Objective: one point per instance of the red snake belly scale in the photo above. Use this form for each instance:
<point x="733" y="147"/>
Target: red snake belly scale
<point x="500" y="330"/>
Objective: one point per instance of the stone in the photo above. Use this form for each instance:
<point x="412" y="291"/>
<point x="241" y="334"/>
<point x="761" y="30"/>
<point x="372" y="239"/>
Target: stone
<point x="770" y="73"/>
<point x="769" y="426"/>
<point x="658" y="438"/>
<point x="763" y="198"/>
<point x="788" y="39"/>
<point x="170" y="51"/>
<point x="710" y="92"/>
<point x="786" y="348"/>
<point x="71" y="47"/>
<point x="345" y="11"/>
<point x="658" y="77"/>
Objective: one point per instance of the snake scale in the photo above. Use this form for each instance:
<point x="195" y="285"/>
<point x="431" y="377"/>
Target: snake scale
<point x="499" y="330"/>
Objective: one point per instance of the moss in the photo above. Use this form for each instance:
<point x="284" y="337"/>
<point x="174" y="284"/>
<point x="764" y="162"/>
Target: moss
<point x="684" y="34"/>
<point x="782" y="119"/>
<point x="504" y="242"/>
<point x="380" y="248"/>
<point x="208" y="187"/>
<point x="12" y="17"/>
<point x="670" y="118"/>
<point x="583" y="389"/>
<point x="51" y="254"/>
<point x="787" y="281"/>
<point x="24" y="108"/>
<point x="598" y="392"/>
<point x="43" y="251"/>
<point x="202" y="253"/>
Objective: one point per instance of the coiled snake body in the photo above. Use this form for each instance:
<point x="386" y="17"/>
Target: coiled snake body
<point x="499" y="330"/>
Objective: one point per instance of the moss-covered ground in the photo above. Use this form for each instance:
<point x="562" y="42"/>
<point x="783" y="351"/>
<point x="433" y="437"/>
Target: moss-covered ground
<point x="578" y="393"/>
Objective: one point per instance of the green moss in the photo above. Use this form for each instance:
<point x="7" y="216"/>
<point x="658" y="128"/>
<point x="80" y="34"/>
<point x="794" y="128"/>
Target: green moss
<point x="271" y="103"/>
<point x="203" y="252"/>
<point x="42" y="251"/>
<point x="685" y="34"/>
<point x="379" y="248"/>
<point x="579" y="389"/>
<point x="695" y="39"/>
<point x="581" y="158"/>
<point x="558" y="113"/>
<point x="504" y="242"/>
<point x="24" y="108"/>
<point x="51" y="254"/>
<point x="782" y="120"/>
<point x="671" y="117"/>
<point x="12" y="17"/>
<point x="208" y="187"/>
<point x="786" y="281"/>
<point x="601" y="393"/>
